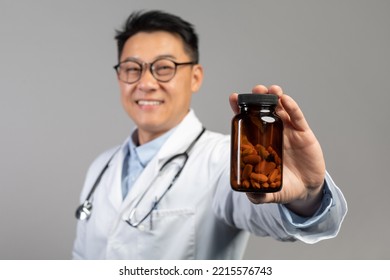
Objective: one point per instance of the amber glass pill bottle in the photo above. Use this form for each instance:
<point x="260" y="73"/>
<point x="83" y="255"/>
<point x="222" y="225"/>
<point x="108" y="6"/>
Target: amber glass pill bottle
<point x="257" y="145"/>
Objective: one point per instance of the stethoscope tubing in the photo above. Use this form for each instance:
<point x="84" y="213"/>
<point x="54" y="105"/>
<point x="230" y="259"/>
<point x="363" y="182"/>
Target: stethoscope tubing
<point x="83" y="212"/>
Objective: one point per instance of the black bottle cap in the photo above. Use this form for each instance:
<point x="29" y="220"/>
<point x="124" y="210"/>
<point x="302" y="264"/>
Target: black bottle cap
<point x="257" y="99"/>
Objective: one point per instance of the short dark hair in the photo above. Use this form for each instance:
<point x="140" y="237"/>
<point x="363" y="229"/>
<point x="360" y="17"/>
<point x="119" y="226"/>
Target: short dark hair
<point x="156" y="20"/>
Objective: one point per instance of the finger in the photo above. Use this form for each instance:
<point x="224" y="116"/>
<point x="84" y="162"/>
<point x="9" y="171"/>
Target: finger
<point x="277" y="90"/>
<point x="233" y="98"/>
<point x="282" y="113"/>
<point x="260" y="89"/>
<point x="295" y="114"/>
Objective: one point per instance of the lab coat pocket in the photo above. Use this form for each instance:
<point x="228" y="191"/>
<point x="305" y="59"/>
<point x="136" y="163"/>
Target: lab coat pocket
<point x="169" y="234"/>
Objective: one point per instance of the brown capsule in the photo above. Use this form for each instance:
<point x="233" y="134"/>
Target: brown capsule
<point x="270" y="149"/>
<point x="252" y="159"/>
<point x="259" y="168"/>
<point x="273" y="175"/>
<point x="247" y="152"/>
<point x="278" y="161"/>
<point x="259" y="177"/>
<point x="247" y="171"/>
<point x="269" y="167"/>
<point x="262" y="151"/>
<point x="246" y="146"/>
<point x="255" y="184"/>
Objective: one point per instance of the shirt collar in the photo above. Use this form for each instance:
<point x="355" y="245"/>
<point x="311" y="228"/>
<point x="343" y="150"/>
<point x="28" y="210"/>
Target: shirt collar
<point x="147" y="151"/>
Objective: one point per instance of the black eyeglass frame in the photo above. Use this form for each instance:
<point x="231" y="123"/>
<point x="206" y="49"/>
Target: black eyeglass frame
<point x="143" y="66"/>
<point x="185" y="154"/>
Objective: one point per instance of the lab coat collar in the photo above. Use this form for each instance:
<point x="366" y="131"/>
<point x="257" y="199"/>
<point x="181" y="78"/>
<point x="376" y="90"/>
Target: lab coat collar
<point x="184" y="133"/>
<point x="177" y="142"/>
<point x="181" y="138"/>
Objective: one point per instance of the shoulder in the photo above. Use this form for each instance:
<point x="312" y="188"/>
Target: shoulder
<point x="95" y="168"/>
<point x="99" y="162"/>
<point x="214" y="147"/>
<point x="216" y="139"/>
<point x="103" y="158"/>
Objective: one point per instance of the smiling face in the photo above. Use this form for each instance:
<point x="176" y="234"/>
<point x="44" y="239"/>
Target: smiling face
<point x="156" y="107"/>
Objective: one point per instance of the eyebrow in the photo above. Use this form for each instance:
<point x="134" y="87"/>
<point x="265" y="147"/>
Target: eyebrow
<point x="169" y="56"/>
<point x="166" y="56"/>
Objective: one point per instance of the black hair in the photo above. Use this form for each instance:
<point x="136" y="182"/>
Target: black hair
<point x="156" y="20"/>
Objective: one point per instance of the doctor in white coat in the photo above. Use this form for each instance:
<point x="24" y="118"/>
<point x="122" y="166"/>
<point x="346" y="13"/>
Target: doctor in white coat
<point x="165" y="192"/>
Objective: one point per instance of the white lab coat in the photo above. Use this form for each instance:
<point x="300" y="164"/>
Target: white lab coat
<point x="199" y="218"/>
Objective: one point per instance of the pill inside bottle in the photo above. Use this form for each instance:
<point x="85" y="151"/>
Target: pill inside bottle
<point x="256" y="163"/>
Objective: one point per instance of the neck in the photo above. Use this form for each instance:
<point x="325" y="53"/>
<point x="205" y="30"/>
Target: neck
<point x="143" y="137"/>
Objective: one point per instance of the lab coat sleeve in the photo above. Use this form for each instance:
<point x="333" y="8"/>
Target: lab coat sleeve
<point x="80" y="241"/>
<point x="325" y="223"/>
<point x="275" y="220"/>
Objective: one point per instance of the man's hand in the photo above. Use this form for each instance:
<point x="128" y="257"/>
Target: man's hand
<point x="303" y="161"/>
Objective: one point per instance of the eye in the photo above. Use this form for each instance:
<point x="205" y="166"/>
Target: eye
<point x="131" y="69"/>
<point x="163" y="68"/>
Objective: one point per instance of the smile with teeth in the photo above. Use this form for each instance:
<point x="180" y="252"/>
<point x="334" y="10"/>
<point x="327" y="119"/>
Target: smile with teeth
<point x="149" y="102"/>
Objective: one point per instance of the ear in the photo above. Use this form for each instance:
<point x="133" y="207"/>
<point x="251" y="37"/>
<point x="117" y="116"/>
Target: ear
<point x="197" y="77"/>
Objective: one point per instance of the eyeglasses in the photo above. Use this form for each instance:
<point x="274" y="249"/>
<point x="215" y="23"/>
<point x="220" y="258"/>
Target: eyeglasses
<point x="132" y="220"/>
<point x="163" y="69"/>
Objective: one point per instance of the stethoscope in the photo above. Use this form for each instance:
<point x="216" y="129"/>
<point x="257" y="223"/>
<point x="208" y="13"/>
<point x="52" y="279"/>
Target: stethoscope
<point x="84" y="211"/>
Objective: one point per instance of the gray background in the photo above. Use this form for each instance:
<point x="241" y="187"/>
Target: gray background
<point x="60" y="107"/>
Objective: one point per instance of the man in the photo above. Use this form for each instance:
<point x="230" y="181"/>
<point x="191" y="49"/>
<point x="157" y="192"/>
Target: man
<point x="165" y="192"/>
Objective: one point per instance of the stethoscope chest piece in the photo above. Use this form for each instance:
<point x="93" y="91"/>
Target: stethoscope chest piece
<point x="83" y="212"/>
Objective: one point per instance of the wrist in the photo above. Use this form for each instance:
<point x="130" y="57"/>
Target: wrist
<point x="309" y="205"/>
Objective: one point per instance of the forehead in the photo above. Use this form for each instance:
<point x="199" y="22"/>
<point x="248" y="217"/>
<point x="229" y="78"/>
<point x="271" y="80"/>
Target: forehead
<point x="151" y="45"/>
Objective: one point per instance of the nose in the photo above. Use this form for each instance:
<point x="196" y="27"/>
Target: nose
<point x="147" y="81"/>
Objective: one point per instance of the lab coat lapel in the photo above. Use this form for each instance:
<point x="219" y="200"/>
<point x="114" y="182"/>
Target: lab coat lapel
<point x="182" y="137"/>
<point x="144" y="180"/>
<point x="114" y="189"/>
<point x="178" y="142"/>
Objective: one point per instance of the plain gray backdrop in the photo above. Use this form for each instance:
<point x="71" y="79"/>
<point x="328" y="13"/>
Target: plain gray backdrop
<point x="60" y="107"/>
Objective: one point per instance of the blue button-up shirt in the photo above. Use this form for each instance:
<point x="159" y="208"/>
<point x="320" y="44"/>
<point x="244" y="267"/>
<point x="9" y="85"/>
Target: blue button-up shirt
<point x="137" y="157"/>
